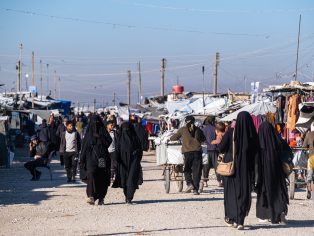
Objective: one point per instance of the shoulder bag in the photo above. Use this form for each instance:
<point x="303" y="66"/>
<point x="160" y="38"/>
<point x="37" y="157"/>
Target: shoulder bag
<point x="101" y="160"/>
<point x="227" y="168"/>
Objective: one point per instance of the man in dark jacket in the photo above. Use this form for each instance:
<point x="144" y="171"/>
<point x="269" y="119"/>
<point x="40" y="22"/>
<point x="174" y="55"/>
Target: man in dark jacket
<point x="43" y="132"/>
<point x="70" y="147"/>
<point x="192" y="137"/>
<point x="61" y="128"/>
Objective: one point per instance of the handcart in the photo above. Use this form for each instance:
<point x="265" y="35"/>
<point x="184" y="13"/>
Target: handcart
<point x="300" y="169"/>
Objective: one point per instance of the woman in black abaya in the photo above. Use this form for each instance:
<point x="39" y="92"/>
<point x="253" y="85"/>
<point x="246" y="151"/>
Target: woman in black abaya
<point x="129" y="156"/>
<point x="272" y="195"/>
<point x="95" y="145"/>
<point x="237" y="188"/>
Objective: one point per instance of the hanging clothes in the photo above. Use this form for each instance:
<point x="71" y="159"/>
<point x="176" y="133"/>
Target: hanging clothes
<point x="280" y="109"/>
<point x="293" y="111"/>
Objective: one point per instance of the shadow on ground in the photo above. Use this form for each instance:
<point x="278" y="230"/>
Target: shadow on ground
<point x="16" y="187"/>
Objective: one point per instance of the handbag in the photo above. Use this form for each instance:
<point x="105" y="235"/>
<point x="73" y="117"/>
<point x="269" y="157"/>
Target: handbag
<point x="286" y="158"/>
<point x="101" y="160"/>
<point x="227" y="168"/>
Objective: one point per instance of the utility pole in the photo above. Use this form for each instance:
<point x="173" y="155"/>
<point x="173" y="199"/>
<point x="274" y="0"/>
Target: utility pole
<point x="296" y="64"/>
<point x="244" y="78"/>
<point x="19" y="68"/>
<point x="162" y="70"/>
<point x="94" y="105"/>
<point x="140" y="82"/>
<point x="114" y="98"/>
<point x="129" y="87"/>
<point x="33" y="78"/>
<point x="203" y="72"/>
<point x="47" y="79"/>
<point x="59" y="87"/>
<point x="216" y="63"/>
<point x="55" y="85"/>
<point x="41" y="80"/>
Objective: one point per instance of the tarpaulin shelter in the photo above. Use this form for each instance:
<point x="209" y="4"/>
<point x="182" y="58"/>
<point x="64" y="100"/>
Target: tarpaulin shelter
<point x="260" y="108"/>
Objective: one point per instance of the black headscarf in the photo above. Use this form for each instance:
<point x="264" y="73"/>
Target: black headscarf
<point x="96" y="134"/>
<point x="272" y="198"/>
<point x="128" y="139"/>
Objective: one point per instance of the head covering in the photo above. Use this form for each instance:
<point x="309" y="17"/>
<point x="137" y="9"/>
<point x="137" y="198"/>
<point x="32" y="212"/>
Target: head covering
<point x="34" y="137"/>
<point x="128" y="139"/>
<point x="189" y="120"/>
<point x="245" y="133"/>
<point x="209" y="120"/>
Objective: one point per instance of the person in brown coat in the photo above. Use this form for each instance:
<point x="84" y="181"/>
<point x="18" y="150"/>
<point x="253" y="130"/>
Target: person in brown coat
<point x="192" y="137"/>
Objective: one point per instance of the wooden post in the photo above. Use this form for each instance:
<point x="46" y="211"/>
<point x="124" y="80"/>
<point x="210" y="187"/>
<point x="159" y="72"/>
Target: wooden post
<point x="33" y="78"/>
<point x="162" y="79"/>
<point x="140" y="82"/>
<point x="216" y="63"/>
<point x="129" y="87"/>
<point x="41" y="80"/>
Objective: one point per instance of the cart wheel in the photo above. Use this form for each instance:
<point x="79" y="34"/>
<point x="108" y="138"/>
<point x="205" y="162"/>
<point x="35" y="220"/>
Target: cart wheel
<point x="180" y="185"/>
<point x="292" y="185"/>
<point x="167" y="180"/>
<point x="201" y="186"/>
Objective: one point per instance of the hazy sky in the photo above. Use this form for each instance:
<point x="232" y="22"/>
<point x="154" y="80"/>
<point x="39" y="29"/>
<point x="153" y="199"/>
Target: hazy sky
<point x="92" y="44"/>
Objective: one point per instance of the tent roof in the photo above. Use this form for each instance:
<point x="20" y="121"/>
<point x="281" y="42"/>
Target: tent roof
<point x="260" y="108"/>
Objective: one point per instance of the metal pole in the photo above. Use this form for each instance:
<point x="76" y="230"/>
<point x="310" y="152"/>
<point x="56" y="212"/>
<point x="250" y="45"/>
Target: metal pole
<point x="129" y="87"/>
<point x="55" y="85"/>
<point x="59" y="87"/>
<point x="47" y="79"/>
<point x="203" y="71"/>
<point x="20" y="69"/>
<point x="296" y="64"/>
<point x="41" y="80"/>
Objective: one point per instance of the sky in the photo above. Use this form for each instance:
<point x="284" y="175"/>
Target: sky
<point x="90" y="45"/>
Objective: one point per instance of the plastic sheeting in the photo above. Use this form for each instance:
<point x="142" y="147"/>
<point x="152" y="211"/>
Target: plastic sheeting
<point x="260" y="108"/>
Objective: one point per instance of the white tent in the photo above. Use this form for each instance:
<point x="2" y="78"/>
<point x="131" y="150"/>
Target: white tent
<point x="260" y="108"/>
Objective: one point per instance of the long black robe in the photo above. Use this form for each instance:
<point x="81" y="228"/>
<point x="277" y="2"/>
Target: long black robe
<point x="95" y="145"/>
<point x="238" y="188"/>
<point x="129" y="156"/>
<point x="272" y="195"/>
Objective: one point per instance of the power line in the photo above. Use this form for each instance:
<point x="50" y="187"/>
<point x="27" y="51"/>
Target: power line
<point x="128" y="26"/>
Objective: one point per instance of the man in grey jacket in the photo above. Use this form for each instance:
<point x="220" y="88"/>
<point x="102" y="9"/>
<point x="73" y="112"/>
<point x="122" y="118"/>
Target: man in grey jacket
<point x="70" y="147"/>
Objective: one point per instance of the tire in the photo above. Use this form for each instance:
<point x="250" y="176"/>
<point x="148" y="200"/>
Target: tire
<point x="292" y="185"/>
<point x="167" y="180"/>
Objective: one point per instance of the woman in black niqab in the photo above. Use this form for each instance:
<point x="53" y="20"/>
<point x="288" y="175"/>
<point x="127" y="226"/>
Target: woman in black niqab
<point x="95" y="145"/>
<point x="237" y="188"/>
<point x="272" y="194"/>
<point x="129" y="161"/>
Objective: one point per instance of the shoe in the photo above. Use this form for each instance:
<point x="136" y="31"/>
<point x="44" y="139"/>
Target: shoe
<point x="308" y="194"/>
<point x="263" y="220"/>
<point x="189" y="189"/>
<point x="229" y="223"/>
<point x="33" y="179"/>
<point x="220" y="184"/>
<point x="196" y="192"/>
<point x="128" y="202"/>
<point x="283" y="219"/>
<point x="73" y="180"/>
<point x="205" y="184"/>
<point x="69" y="180"/>
<point x="101" y="202"/>
<point x="38" y="174"/>
<point x="235" y="225"/>
<point x="91" y="201"/>
<point x="240" y="227"/>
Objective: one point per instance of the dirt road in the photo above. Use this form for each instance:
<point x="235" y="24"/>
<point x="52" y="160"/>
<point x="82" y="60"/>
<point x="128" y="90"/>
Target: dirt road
<point x="55" y="208"/>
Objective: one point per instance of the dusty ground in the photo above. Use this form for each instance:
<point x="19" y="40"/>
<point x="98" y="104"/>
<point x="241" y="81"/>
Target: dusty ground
<point x="54" y="207"/>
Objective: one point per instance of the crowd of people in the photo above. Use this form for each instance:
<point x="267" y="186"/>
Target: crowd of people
<point x="109" y="154"/>
<point x="104" y="152"/>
